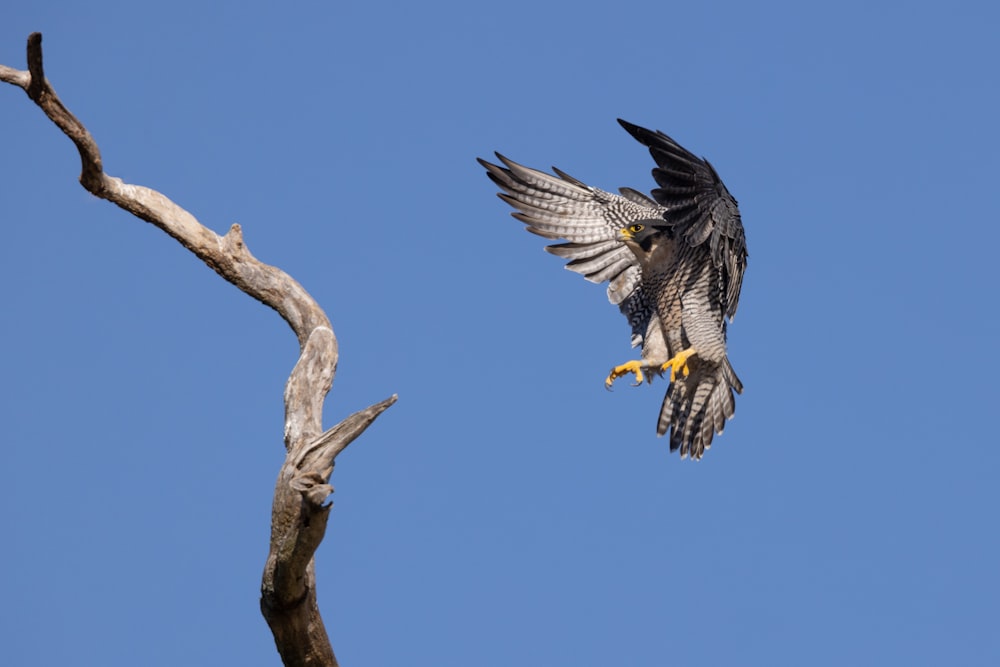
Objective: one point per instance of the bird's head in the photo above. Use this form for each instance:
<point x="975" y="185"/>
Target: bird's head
<point x="646" y="239"/>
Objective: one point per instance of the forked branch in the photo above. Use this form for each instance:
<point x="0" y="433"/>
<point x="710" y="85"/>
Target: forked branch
<point x="299" y="515"/>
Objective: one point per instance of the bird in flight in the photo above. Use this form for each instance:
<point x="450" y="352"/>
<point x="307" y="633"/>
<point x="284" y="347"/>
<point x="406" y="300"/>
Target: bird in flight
<point x="674" y="265"/>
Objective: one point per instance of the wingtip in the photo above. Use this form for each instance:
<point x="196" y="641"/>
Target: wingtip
<point x="639" y="133"/>
<point x="507" y="162"/>
<point x="629" y="127"/>
<point x="487" y="163"/>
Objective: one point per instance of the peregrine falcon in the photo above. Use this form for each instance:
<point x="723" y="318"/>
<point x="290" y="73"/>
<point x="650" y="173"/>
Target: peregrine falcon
<point x="674" y="264"/>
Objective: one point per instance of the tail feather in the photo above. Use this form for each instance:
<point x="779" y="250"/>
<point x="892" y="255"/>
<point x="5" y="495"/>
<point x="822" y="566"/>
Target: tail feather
<point x="696" y="407"/>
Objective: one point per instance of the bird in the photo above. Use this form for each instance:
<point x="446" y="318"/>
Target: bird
<point x="674" y="263"/>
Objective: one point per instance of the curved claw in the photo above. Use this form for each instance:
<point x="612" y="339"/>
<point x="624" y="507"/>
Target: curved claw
<point x="633" y="367"/>
<point x="678" y="363"/>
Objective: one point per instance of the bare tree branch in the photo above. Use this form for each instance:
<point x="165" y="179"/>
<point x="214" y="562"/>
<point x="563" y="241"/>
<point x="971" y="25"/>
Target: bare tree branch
<point x="299" y="515"/>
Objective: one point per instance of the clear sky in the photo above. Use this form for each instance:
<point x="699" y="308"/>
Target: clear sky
<point x="507" y="510"/>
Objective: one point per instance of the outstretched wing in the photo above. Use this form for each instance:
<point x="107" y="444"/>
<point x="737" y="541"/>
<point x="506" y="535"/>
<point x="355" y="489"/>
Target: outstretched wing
<point x="699" y="207"/>
<point x="588" y="219"/>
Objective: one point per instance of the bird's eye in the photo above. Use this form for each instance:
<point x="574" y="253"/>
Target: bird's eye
<point x="635" y="229"/>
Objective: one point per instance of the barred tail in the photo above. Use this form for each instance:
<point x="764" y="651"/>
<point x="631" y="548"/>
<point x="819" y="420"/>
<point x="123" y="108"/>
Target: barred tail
<point x="696" y="407"/>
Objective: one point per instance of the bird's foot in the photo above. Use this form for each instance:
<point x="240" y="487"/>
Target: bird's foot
<point x="633" y="367"/>
<point x="678" y="363"/>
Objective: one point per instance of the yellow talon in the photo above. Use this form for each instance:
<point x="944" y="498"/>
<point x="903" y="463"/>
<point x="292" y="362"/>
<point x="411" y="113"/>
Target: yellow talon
<point x="678" y="363"/>
<point x="634" y="367"/>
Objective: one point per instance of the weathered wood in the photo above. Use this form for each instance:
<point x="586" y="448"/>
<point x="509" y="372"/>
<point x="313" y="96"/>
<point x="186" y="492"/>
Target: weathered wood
<point x="300" y="512"/>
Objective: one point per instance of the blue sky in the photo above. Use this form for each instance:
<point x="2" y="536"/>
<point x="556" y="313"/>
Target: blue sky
<point x="507" y="508"/>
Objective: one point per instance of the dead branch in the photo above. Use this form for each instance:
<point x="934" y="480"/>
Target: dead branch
<point x="299" y="515"/>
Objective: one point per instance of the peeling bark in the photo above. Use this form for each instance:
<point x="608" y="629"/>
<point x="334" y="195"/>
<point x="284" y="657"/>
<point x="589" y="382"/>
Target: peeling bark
<point x="300" y="512"/>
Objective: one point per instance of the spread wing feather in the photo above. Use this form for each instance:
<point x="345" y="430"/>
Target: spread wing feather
<point x="588" y="219"/>
<point x="699" y="207"/>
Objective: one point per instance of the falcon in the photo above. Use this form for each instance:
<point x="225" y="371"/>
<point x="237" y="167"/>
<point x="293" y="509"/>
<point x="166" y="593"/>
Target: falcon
<point x="674" y="265"/>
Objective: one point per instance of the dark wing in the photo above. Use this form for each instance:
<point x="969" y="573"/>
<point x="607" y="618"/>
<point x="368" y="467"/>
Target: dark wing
<point x="562" y="207"/>
<point x="699" y="207"/>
